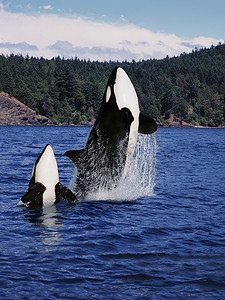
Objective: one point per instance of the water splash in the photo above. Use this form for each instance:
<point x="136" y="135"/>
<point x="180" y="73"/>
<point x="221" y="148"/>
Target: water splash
<point x="140" y="178"/>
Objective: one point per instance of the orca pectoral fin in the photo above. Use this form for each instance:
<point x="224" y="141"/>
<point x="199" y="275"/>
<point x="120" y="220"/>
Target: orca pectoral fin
<point x="33" y="197"/>
<point x="65" y="193"/>
<point x="74" y="155"/>
<point x="147" y="125"/>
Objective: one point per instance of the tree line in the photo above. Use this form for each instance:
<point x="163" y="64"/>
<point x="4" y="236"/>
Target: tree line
<point x="190" y="86"/>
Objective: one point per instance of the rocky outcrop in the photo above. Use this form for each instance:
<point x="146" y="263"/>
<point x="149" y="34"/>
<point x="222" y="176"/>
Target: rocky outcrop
<point x="177" y="122"/>
<point x="174" y="121"/>
<point x="14" y="112"/>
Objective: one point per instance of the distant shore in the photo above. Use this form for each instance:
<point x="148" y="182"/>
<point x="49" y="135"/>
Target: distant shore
<point x="90" y="124"/>
<point x="15" y="113"/>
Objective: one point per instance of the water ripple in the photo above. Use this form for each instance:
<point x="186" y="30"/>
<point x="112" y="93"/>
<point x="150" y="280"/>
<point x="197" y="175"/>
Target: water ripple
<point x="168" y="244"/>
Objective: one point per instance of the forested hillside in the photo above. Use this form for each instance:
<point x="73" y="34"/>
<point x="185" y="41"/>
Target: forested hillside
<point x="191" y="86"/>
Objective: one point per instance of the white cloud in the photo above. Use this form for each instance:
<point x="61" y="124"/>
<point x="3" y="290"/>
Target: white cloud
<point x="2" y="6"/>
<point x="66" y="49"/>
<point x="18" y="46"/>
<point x="47" y="7"/>
<point x="122" y="18"/>
<point x="51" y="35"/>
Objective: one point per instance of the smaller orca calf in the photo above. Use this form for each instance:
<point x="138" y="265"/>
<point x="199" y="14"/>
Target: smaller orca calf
<point x="44" y="188"/>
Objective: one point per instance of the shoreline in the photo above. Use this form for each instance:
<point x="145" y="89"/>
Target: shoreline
<point x="91" y="125"/>
<point x="15" y="113"/>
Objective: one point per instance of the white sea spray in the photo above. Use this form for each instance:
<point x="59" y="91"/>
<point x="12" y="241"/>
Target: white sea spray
<point x="140" y="177"/>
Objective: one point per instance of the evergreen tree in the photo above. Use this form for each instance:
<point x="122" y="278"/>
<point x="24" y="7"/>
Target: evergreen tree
<point x="191" y="86"/>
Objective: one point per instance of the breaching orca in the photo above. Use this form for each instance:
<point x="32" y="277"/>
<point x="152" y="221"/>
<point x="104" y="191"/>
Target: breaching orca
<point x="44" y="188"/>
<point x="111" y="142"/>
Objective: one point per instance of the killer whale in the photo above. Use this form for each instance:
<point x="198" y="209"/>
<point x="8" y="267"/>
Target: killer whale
<point x="44" y="188"/>
<point x="112" y="140"/>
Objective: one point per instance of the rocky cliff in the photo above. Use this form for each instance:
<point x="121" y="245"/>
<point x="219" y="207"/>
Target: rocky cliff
<point x="14" y="112"/>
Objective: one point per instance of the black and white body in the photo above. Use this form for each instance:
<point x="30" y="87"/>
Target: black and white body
<point x="112" y="140"/>
<point x="44" y="188"/>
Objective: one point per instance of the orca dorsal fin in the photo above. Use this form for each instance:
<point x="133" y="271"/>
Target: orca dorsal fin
<point x="75" y="155"/>
<point x="147" y="125"/>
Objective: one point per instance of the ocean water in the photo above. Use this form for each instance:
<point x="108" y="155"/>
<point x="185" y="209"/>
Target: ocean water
<point x="160" y="235"/>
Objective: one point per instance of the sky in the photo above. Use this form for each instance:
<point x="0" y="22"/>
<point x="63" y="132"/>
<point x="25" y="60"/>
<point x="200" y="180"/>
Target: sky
<point x="110" y="30"/>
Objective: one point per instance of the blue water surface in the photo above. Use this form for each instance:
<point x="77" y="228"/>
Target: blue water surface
<point x="170" y="245"/>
